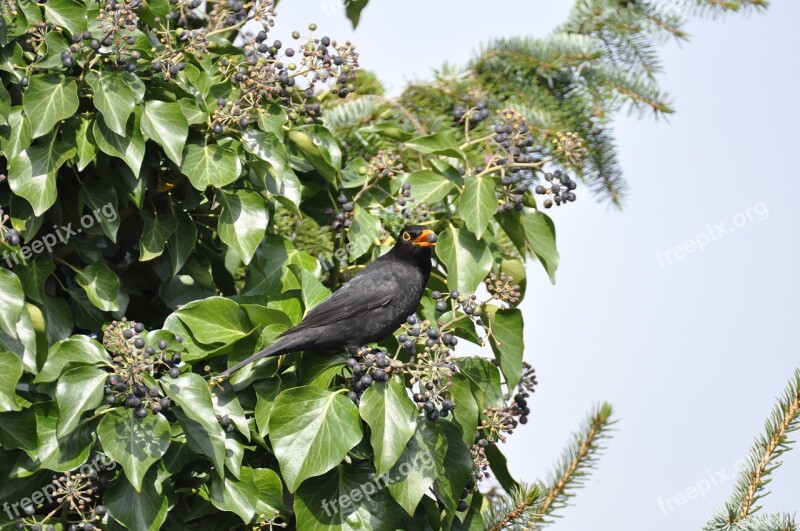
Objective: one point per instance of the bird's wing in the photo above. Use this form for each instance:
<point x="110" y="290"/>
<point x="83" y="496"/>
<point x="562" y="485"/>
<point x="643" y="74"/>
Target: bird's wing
<point x="373" y="288"/>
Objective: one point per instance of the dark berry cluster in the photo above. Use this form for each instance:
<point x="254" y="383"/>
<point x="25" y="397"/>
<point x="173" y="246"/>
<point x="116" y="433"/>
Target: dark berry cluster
<point x="513" y="136"/>
<point x="368" y="366"/>
<point x="512" y="191"/>
<point x="468" y="489"/>
<point x="471" y="114"/>
<point x="132" y="359"/>
<point x="560" y="189"/>
<point x="225" y="422"/>
<point x="344" y="217"/>
<point x="502" y="288"/>
<point x="427" y="401"/>
<point x="11" y="236"/>
<point x="468" y="304"/>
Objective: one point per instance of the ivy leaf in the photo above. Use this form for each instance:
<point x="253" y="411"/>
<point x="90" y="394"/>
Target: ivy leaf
<point x="190" y="392"/>
<point x="113" y="98"/>
<point x="79" y="133"/>
<point x="467" y="413"/>
<point x="137" y="511"/>
<point x="70" y="353"/>
<point x="16" y="136"/>
<point x="541" y="236"/>
<point x="271" y="119"/>
<point x="5" y="104"/>
<point x="99" y="197"/>
<point x="364" y="229"/>
<point x="243" y="221"/>
<point x="312" y="290"/>
<point x="156" y="232"/>
<point x="10" y="372"/>
<point x="128" y="147"/>
<point x="215" y="320"/>
<point x="134" y="443"/>
<point x="311" y="431"/>
<point x="393" y="130"/>
<point x="348" y="498"/>
<point x="419" y="466"/>
<point x="456" y="470"/>
<point x="166" y="124"/>
<point x="18" y="430"/>
<point x="69" y="14"/>
<point x="210" y="165"/>
<point x="392" y="418"/>
<point x="484" y="380"/>
<point x="444" y="143"/>
<point x="507" y="343"/>
<point x="182" y="242"/>
<point x="468" y="260"/>
<point x="78" y="390"/>
<point x="12" y="301"/>
<point x="32" y="173"/>
<point x="318" y="147"/>
<point x="101" y="285"/>
<point x="54" y="452"/>
<point x="477" y="204"/>
<point x="257" y="491"/>
<point x="48" y="100"/>
<point x="266" y="393"/>
<point x="33" y="276"/>
<point x="428" y="186"/>
<point x="353" y="9"/>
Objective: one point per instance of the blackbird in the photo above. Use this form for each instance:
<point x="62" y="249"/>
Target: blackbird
<point x="371" y="306"/>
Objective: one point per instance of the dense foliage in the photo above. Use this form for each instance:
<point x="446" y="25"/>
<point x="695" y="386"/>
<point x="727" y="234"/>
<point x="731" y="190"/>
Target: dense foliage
<point x="180" y="188"/>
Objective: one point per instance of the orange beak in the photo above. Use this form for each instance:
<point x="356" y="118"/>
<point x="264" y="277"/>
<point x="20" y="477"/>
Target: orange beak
<point x="426" y="239"/>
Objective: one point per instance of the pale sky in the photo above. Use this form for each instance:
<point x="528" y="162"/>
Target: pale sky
<point x="691" y="349"/>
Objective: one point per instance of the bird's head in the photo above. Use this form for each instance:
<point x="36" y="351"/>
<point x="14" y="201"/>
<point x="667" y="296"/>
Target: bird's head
<point x="415" y="241"/>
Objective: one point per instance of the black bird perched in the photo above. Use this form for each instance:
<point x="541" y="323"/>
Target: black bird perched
<point x="370" y="307"/>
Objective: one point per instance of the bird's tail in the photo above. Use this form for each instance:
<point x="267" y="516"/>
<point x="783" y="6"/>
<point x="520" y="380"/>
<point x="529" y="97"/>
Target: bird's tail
<point x="272" y="350"/>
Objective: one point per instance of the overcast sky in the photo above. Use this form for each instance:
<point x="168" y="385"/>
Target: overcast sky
<point x="690" y="346"/>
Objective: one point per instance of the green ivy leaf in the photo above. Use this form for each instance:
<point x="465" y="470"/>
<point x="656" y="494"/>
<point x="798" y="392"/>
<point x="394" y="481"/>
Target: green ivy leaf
<point x="444" y="143"/>
<point x="59" y="454"/>
<point x="134" y="443"/>
<point x="157" y="230"/>
<point x="477" y="204"/>
<point x="101" y="285"/>
<point x="507" y="343"/>
<point x="257" y="491"/>
<point x="457" y="468"/>
<point x="5" y="105"/>
<point x="353" y="9"/>
<point x="16" y="136"/>
<point x="266" y="393"/>
<point x="128" y="147"/>
<point x="311" y="431"/>
<point x="70" y="14"/>
<point x="541" y="236"/>
<point x="210" y="165"/>
<point x="364" y="230"/>
<point x="10" y="372"/>
<point x="166" y="124"/>
<point x="348" y="498"/>
<point x="18" y="430"/>
<point x="113" y="98"/>
<point x="313" y="291"/>
<point x="78" y="390"/>
<point x="99" y="197"/>
<point x="484" y="379"/>
<point x="419" y="466"/>
<point x="48" y="100"/>
<point x="182" y="242"/>
<point x="32" y="173"/>
<point x="428" y="187"/>
<point x="318" y="147"/>
<point x="136" y="511"/>
<point x="392" y="418"/>
<point x="12" y="301"/>
<point x="499" y="466"/>
<point x="243" y="221"/>
<point x="467" y="413"/>
<point x="215" y="320"/>
<point x="70" y="353"/>
<point x="271" y="119"/>
<point x="79" y="133"/>
<point x="33" y="276"/>
<point x="468" y="260"/>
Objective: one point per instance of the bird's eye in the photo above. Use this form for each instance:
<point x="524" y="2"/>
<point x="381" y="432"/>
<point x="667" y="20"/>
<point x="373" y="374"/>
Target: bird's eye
<point x="406" y="236"/>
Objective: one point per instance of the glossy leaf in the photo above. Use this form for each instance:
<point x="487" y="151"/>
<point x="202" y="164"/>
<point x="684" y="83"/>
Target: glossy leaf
<point x="243" y="221"/>
<point x="48" y="100"/>
<point x="72" y="405"/>
<point x="391" y="416"/>
<point x="468" y="260"/>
